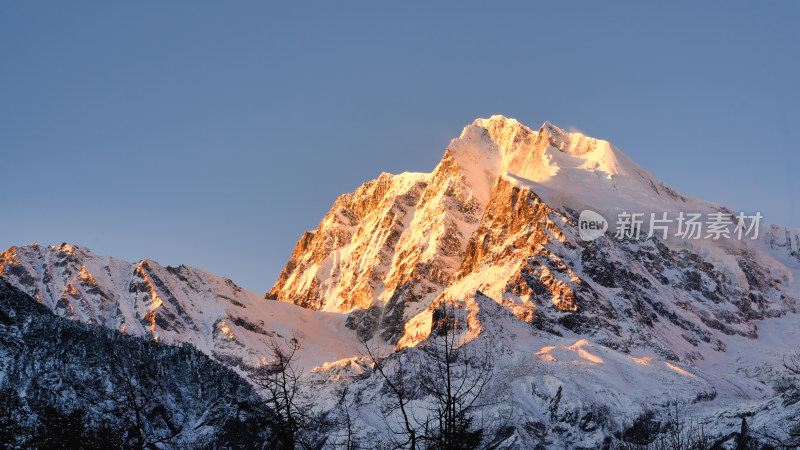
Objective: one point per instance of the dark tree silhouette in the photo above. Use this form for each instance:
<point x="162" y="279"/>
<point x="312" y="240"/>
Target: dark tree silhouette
<point x="402" y="393"/>
<point x="278" y="381"/>
<point x="453" y="375"/>
<point x="456" y="378"/>
<point x="344" y="421"/>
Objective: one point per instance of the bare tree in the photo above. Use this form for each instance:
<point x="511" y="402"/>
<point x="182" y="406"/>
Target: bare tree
<point x="456" y="378"/>
<point x="793" y="364"/>
<point x="348" y="441"/>
<point x="402" y="394"/>
<point x="278" y="381"/>
<point x="452" y="375"/>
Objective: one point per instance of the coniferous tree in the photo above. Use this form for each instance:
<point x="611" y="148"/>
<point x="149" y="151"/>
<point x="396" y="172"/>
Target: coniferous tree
<point x="58" y="430"/>
<point x="12" y="430"/>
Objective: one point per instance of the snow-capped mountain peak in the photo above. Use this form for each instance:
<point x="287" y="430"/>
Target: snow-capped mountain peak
<point x="500" y="207"/>
<point x="568" y="169"/>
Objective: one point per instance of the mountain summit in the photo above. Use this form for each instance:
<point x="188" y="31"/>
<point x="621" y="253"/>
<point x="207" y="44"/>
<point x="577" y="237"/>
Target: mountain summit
<point x="498" y="214"/>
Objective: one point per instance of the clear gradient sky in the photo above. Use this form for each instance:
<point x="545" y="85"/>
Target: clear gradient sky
<point x="213" y="134"/>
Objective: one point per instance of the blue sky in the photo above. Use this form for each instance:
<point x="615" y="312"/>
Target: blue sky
<point x="214" y="133"/>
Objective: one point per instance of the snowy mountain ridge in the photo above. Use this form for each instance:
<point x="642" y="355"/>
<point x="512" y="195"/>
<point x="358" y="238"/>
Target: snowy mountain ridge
<point x="173" y="305"/>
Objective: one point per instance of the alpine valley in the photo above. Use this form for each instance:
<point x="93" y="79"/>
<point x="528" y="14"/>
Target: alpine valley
<point x="650" y="341"/>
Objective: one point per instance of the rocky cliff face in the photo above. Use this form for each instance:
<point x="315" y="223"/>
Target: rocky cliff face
<point x="388" y="249"/>
<point x="392" y="244"/>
